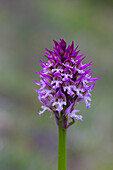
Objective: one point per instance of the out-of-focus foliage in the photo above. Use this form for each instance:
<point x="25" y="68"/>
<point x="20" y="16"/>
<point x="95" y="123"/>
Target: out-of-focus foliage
<point x="28" y="142"/>
<point x="101" y="2"/>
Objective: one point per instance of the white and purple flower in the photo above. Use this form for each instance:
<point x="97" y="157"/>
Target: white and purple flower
<point x="64" y="83"/>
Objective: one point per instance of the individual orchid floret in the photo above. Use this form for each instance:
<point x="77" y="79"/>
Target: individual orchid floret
<point x="59" y="101"/>
<point x="65" y="82"/>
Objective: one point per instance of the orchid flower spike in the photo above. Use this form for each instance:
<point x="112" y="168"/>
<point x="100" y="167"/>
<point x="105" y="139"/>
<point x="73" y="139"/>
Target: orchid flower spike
<point x="65" y="82"/>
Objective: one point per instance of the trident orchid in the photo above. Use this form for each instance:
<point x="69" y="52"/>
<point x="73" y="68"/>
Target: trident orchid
<point x="65" y="82"/>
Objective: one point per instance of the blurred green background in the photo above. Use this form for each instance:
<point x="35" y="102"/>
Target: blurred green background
<point x="27" y="27"/>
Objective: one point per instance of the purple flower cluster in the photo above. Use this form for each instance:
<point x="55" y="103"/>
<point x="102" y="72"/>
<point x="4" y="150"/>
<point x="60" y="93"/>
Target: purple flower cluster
<point x="65" y="82"/>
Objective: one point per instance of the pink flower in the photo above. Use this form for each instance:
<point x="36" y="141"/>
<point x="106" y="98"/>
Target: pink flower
<point x="64" y="82"/>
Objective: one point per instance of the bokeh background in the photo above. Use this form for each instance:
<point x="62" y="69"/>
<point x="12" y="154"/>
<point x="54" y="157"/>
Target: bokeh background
<point x="27" y="27"/>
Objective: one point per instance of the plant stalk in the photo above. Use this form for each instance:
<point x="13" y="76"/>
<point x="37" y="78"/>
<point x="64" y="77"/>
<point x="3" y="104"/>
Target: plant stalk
<point x="62" y="161"/>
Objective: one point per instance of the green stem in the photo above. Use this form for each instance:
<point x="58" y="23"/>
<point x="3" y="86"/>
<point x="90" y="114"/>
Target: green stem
<point x="62" y="162"/>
